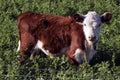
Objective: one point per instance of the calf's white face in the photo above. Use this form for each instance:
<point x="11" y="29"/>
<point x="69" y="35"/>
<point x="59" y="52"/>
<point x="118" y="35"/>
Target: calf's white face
<point x="92" y="26"/>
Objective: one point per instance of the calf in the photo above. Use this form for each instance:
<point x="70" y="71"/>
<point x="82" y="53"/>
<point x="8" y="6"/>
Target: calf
<point x="76" y="36"/>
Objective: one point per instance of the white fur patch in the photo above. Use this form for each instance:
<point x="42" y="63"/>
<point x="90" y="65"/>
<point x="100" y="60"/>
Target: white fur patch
<point x="18" y="49"/>
<point x="89" y="51"/>
<point x="39" y="45"/>
<point x="79" y="55"/>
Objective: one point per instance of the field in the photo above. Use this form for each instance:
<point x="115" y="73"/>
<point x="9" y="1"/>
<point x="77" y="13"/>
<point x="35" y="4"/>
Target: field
<point x="104" y="66"/>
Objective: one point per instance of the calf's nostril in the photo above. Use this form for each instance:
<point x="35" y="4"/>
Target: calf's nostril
<point x="92" y="38"/>
<point x="89" y="37"/>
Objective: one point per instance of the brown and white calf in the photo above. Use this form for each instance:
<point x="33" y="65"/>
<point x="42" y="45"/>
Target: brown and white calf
<point x="76" y="36"/>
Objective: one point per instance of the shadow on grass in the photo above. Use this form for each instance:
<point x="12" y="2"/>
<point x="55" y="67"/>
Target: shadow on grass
<point x="106" y="55"/>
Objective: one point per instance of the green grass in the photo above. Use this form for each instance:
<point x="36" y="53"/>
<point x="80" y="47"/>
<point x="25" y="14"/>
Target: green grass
<point x="104" y="66"/>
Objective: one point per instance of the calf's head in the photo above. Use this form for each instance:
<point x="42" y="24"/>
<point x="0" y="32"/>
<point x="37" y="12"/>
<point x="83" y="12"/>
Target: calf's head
<point x="92" y="24"/>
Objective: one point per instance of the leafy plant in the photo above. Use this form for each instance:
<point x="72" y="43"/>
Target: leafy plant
<point x="105" y="65"/>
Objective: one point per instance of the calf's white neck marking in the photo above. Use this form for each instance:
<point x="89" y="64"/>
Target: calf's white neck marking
<point x="79" y="55"/>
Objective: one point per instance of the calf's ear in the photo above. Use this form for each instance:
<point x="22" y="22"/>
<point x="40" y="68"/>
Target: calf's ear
<point x="78" y="17"/>
<point x="106" y="17"/>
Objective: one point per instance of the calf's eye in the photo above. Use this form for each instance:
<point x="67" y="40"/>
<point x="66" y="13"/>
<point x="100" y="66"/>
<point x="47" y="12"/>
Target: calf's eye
<point x="84" y="24"/>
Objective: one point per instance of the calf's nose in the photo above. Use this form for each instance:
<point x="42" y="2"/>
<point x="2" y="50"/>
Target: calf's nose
<point x="92" y="38"/>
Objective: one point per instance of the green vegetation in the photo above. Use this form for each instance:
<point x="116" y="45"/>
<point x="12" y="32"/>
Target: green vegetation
<point x="104" y="66"/>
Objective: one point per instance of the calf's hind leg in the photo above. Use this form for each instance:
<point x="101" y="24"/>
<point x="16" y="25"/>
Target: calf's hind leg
<point x="27" y="44"/>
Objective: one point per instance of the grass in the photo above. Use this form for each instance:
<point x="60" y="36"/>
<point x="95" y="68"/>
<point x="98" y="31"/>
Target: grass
<point x="104" y="66"/>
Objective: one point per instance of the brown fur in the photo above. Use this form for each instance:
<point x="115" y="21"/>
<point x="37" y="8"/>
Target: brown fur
<point x="56" y="32"/>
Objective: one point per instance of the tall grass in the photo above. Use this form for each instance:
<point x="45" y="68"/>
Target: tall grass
<point x="104" y="66"/>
